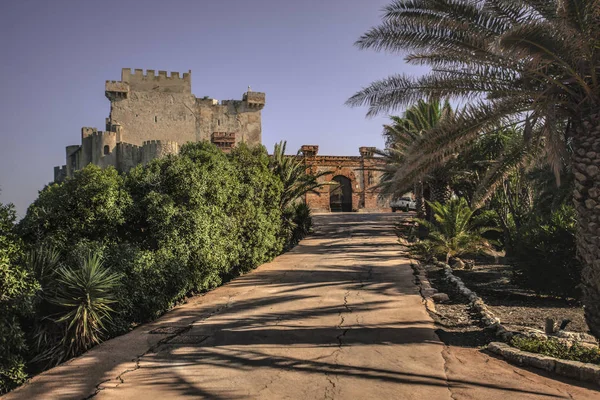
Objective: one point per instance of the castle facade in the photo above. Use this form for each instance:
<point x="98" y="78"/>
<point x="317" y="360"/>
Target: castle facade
<point x="151" y="115"/>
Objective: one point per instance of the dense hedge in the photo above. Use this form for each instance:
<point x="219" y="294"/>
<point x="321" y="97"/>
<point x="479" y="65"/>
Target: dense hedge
<point x="16" y="291"/>
<point x="177" y="226"/>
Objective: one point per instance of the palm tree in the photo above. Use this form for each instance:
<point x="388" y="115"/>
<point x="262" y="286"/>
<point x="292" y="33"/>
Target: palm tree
<point x="399" y="136"/>
<point x="528" y="63"/>
<point x="456" y="230"/>
<point x="293" y="174"/>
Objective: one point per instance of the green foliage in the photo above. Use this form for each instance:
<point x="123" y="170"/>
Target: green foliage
<point x="557" y="349"/>
<point x="113" y="251"/>
<point x="532" y="65"/>
<point x="297" y="223"/>
<point x="84" y="297"/>
<point x="183" y="208"/>
<point x="153" y="282"/>
<point x="544" y="254"/>
<point x="293" y="175"/>
<point x="456" y="230"/>
<point x="256" y="209"/>
<point x="400" y="136"/>
<point x="17" y="287"/>
<point x="514" y="63"/>
<point x="91" y="206"/>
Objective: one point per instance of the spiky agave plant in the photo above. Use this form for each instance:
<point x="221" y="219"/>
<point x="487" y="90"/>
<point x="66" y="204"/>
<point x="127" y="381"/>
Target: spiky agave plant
<point x="84" y="296"/>
<point x="456" y="231"/>
<point x="533" y="63"/>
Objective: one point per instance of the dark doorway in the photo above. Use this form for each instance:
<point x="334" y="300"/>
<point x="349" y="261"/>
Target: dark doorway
<point x="340" y="195"/>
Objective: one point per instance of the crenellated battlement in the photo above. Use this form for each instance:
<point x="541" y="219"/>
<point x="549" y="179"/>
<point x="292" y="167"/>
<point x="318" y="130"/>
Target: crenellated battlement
<point x="116" y="90"/>
<point x="128" y="146"/>
<point x="137" y="74"/>
<point x="87" y="131"/>
<point x="150" y="80"/>
<point x="255" y="99"/>
<point x="367" y="152"/>
<point x="152" y="149"/>
<point x="101" y="134"/>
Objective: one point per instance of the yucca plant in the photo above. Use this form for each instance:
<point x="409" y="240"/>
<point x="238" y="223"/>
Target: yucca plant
<point x="528" y="63"/>
<point x="83" y="301"/>
<point x="456" y="230"/>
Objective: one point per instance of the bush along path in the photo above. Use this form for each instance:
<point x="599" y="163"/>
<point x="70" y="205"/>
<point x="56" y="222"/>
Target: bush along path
<point x="556" y="351"/>
<point x="103" y="252"/>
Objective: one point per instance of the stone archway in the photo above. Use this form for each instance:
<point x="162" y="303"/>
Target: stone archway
<point x="340" y="195"/>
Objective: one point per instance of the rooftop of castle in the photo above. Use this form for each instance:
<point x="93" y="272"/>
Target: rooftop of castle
<point x="139" y="74"/>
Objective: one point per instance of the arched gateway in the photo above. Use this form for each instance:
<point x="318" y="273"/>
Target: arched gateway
<point x="340" y="195"/>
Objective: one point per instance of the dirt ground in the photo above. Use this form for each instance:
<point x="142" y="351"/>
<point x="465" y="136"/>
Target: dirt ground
<point x="518" y="309"/>
<point x="458" y="324"/>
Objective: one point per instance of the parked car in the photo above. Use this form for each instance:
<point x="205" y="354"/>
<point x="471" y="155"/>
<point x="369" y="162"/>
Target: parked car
<point x="403" y="203"/>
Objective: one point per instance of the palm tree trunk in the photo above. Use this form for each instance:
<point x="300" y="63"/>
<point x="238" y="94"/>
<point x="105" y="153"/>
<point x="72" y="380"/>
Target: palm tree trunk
<point x="440" y="191"/>
<point x="419" y="200"/>
<point x="586" y="197"/>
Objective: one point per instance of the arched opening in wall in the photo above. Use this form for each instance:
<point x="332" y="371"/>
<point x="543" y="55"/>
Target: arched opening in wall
<point x="340" y="195"/>
<point x="106" y="150"/>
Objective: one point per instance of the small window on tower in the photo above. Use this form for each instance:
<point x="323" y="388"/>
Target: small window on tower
<point x="219" y="122"/>
<point x="155" y="118"/>
<point x="106" y="150"/>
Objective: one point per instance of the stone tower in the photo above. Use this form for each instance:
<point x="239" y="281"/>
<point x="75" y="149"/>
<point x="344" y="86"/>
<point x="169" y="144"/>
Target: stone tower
<point x="151" y="115"/>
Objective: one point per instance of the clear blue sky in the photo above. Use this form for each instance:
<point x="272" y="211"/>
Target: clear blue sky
<point x="57" y="54"/>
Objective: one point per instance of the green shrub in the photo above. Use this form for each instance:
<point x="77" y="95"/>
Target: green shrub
<point x="91" y="205"/>
<point x="17" y="288"/>
<point x="302" y="222"/>
<point x="153" y="282"/>
<point x="256" y="207"/>
<point x="557" y="349"/>
<point x="544" y="255"/>
<point x="456" y="231"/>
<point x="174" y="227"/>
<point x="296" y="223"/>
<point x="184" y="207"/>
<point x="85" y="295"/>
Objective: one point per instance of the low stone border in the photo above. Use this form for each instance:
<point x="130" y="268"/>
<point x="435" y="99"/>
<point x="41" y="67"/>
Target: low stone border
<point x="571" y="369"/>
<point x="425" y="287"/>
<point x="487" y="316"/>
<point x="492" y="322"/>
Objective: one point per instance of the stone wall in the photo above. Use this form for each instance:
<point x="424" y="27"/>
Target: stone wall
<point x="156" y="107"/>
<point x="146" y="106"/>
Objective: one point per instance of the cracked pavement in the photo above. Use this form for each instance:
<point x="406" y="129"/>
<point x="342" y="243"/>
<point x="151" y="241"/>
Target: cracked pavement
<point x="338" y="317"/>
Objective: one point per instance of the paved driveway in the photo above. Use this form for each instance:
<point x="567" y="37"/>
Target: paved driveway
<point x="336" y="317"/>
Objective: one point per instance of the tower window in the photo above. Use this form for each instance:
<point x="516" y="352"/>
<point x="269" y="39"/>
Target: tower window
<point x="219" y="122"/>
<point x="106" y="150"/>
<point x="155" y="118"/>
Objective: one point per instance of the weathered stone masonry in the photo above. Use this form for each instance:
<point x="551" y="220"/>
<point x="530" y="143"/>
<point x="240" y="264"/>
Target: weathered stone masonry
<point x="151" y="115"/>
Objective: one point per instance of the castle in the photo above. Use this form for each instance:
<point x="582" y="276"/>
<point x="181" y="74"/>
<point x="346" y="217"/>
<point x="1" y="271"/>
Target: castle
<point x="151" y="115"/>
